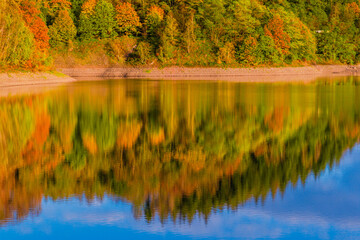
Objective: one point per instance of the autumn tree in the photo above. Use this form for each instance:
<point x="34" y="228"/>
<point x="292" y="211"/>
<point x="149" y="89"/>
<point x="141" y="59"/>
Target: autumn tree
<point x="37" y="26"/>
<point x="275" y="30"/>
<point x="127" y="18"/>
<point x="76" y="6"/>
<point x="154" y="16"/>
<point x="153" y="20"/>
<point x="53" y="7"/>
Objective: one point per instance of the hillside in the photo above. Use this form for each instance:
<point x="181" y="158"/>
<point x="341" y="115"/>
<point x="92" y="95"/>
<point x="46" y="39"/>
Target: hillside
<point x="234" y="33"/>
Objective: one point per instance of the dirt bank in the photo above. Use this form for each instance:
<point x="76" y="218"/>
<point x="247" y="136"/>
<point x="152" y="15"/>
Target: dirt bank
<point x="19" y="83"/>
<point x="231" y="74"/>
<point x="33" y="81"/>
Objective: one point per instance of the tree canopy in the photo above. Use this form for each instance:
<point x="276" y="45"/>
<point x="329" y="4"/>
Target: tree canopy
<point x="195" y="32"/>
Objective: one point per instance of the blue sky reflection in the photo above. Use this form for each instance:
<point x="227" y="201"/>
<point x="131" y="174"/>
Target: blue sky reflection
<point x="326" y="208"/>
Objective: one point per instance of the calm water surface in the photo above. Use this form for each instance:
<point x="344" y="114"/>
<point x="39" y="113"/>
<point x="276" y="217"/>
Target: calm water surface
<point x="136" y="159"/>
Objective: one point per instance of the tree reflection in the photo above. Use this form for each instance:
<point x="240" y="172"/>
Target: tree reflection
<point x="171" y="149"/>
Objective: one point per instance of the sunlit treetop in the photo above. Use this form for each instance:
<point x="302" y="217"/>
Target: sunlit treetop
<point x="127" y="18"/>
<point x="88" y="8"/>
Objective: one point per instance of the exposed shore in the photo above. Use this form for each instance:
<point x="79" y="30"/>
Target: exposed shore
<point x="284" y="74"/>
<point x="33" y="81"/>
<point x="19" y="82"/>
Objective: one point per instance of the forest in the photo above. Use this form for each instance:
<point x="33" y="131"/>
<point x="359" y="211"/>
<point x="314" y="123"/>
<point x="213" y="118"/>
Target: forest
<point x="171" y="152"/>
<point x="38" y="34"/>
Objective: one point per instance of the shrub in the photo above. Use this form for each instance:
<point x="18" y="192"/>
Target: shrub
<point x="144" y="52"/>
<point x="121" y="48"/>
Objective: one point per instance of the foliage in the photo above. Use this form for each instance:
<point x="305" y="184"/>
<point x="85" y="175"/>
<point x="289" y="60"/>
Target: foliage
<point x="17" y="44"/>
<point x="144" y="52"/>
<point x="104" y="20"/>
<point x="63" y="31"/>
<point x="168" y="39"/>
<point x="97" y="20"/>
<point x="207" y="33"/>
<point x="120" y="48"/>
<point x="154" y="18"/>
<point x="37" y="26"/>
<point x="127" y="18"/>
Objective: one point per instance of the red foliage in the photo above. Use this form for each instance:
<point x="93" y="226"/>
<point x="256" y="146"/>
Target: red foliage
<point x="353" y="8"/>
<point x="36" y="25"/>
<point x="275" y="30"/>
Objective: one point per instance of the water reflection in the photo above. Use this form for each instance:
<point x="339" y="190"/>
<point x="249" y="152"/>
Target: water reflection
<point x="173" y="150"/>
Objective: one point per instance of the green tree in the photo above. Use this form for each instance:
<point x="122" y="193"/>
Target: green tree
<point x="169" y="38"/>
<point x="17" y="44"/>
<point x="104" y="20"/>
<point x="63" y="31"/>
<point x="97" y="20"/>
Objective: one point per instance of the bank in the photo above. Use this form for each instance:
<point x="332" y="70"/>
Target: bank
<point x="282" y="74"/>
<point x="287" y="74"/>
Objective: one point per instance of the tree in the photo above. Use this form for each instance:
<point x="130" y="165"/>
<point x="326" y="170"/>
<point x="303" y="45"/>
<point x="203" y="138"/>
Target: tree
<point x="104" y="20"/>
<point x="275" y="30"/>
<point x="190" y="37"/>
<point x="127" y="18"/>
<point x="168" y="39"/>
<point x="17" y="44"/>
<point x="63" y="31"/>
<point x="76" y="10"/>
<point x="97" y="20"/>
<point x="154" y="19"/>
<point x="36" y="24"/>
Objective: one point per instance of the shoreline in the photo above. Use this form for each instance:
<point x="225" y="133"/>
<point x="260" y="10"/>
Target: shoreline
<point x="282" y="74"/>
<point x="31" y="82"/>
<point x="14" y="79"/>
<point x="69" y="75"/>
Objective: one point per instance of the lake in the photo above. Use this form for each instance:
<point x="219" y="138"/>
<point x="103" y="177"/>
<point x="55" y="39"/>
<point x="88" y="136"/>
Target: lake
<point x="146" y="159"/>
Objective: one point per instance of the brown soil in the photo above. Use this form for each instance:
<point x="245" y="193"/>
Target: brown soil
<point x="15" y="83"/>
<point x="22" y="83"/>
<point x="285" y="74"/>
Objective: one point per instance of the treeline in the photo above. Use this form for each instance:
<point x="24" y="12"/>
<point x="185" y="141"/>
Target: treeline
<point x="190" y="32"/>
<point x="170" y="151"/>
